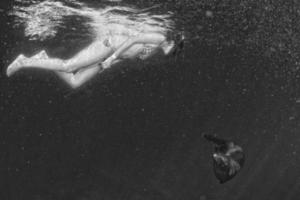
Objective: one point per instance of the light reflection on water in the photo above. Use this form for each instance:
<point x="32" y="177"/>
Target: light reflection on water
<point x="42" y="20"/>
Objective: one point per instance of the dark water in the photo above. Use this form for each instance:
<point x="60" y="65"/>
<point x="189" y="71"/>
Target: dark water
<point x="134" y="132"/>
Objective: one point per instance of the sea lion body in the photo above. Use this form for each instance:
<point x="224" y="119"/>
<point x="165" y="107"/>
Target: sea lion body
<point x="228" y="158"/>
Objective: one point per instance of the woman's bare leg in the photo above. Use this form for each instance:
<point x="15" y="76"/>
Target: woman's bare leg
<point x="82" y="76"/>
<point x="77" y="79"/>
<point x="94" y="53"/>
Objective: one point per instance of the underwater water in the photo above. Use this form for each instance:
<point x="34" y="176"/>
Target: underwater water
<point x="135" y="131"/>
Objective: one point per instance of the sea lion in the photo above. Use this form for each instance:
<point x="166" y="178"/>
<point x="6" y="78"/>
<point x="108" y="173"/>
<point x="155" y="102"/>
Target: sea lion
<point x="228" y="158"/>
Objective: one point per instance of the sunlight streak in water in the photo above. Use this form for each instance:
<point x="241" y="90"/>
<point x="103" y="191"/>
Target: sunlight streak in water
<point x="42" y="20"/>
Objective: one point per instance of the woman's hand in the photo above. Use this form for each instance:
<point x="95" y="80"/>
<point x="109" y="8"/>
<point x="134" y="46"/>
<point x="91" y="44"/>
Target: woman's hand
<point x="108" y="62"/>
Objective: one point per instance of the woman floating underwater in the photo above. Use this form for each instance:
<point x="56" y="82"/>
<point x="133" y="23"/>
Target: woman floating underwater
<point x="121" y="33"/>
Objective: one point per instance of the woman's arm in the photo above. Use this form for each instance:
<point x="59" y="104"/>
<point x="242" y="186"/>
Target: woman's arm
<point x="150" y="38"/>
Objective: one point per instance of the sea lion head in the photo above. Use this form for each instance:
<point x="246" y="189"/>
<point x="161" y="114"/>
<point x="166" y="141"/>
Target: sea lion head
<point x="221" y="159"/>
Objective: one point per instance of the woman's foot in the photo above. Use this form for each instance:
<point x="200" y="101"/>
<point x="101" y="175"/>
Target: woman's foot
<point x="15" y="65"/>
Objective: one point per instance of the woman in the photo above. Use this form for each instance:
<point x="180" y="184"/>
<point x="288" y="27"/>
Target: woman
<point x="96" y="57"/>
<point x="127" y="35"/>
